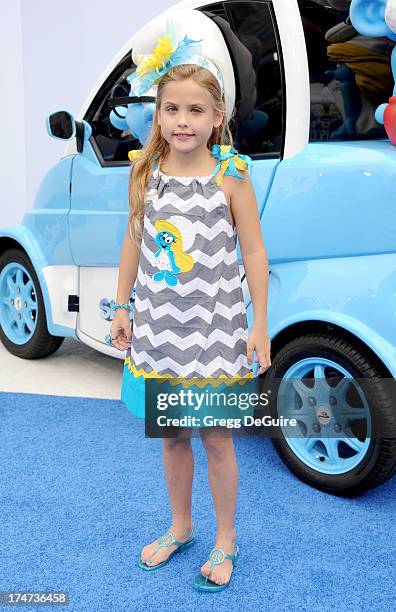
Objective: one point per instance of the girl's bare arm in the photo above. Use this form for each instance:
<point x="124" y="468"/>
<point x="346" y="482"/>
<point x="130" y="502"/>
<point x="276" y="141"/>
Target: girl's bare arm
<point x="129" y="262"/>
<point x="255" y="259"/>
<point x="245" y="212"/>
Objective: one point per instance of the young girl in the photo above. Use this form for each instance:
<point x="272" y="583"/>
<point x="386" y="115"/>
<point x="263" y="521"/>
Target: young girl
<point x="189" y="195"/>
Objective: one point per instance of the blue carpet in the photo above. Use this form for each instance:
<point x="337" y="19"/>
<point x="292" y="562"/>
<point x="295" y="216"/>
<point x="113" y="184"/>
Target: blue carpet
<point x="83" y="490"/>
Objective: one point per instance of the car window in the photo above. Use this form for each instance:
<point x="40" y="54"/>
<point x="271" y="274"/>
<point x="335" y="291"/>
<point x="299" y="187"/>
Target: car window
<point x="250" y="34"/>
<point x="350" y="74"/>
<point x="110" y="144"/>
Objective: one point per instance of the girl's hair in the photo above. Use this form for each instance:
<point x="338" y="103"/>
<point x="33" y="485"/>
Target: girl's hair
<point x="157" y="148"/>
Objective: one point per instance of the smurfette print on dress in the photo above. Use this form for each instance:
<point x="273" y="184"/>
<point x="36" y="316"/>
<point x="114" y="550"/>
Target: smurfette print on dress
<point x="189" y="318"/>
<point x="170" y="258"/>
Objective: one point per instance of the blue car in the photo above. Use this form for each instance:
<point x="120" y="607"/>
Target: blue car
<point x="323" y="172"/>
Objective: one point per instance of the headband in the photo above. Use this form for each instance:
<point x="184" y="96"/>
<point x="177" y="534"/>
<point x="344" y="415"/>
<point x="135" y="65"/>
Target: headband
<point x="169" y="52"/>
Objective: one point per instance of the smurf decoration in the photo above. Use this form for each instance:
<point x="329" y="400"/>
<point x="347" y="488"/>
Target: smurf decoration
<point x="377" y="18"/>
<point x="178" y="37"/>
<point x="136" y="118"/>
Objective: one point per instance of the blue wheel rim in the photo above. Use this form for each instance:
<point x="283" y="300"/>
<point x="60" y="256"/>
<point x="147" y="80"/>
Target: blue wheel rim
<point x="322" y="411"/>
<point x="18" y="303"/>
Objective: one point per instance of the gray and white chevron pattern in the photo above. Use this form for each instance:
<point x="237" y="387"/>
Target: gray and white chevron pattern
<point x="198" y="327"/>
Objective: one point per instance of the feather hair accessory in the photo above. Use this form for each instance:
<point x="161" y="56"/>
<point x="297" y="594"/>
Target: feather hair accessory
<point x="169" y="52"/>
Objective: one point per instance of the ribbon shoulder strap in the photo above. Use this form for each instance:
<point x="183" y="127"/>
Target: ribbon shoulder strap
<point x="230" y="161"/>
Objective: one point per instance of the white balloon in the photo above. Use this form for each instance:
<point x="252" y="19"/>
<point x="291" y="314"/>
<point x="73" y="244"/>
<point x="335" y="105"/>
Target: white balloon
<point x="390" y="15"/>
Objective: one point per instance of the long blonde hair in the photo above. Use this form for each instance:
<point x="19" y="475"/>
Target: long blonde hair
<point x="157" y="148"/>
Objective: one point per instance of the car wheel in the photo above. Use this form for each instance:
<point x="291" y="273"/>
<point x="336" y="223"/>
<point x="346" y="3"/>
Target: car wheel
<point x="23" y="323"/>
<point x="345" y="409"/>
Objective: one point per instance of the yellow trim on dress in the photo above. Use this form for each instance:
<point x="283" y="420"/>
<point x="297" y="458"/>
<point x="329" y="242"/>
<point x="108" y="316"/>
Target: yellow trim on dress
<point x="188" y="382"/>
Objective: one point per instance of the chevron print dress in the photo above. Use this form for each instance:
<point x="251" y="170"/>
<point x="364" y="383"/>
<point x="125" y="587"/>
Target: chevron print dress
<point x="189" y="316"/>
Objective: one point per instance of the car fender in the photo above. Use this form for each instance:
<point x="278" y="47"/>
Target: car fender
<point x="56" y="281"/>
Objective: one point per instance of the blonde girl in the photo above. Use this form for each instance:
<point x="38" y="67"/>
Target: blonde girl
<point x="190" y="147"/>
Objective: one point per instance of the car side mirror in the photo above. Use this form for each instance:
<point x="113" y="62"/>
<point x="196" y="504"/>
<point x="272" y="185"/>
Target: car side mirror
<point x="63" y="126"/>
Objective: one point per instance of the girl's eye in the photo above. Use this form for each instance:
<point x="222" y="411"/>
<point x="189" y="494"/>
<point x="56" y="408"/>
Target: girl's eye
<point x="171" y="108"/>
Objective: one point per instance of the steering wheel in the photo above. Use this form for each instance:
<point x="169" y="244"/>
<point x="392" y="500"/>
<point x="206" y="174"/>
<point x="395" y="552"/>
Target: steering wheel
<point x="108" y="129"/>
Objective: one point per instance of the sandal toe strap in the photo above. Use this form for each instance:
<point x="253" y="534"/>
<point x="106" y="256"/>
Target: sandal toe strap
<point x="168" y="539"/>
<point x="217" y="555"/>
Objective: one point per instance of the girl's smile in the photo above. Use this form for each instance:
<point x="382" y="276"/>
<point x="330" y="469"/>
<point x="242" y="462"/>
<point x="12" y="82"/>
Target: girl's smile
<point x="184" y="136"/>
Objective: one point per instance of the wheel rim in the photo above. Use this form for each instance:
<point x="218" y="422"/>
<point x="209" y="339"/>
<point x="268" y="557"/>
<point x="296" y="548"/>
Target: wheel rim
<point x="325" y="400"/>
<point x="18" y="303"/>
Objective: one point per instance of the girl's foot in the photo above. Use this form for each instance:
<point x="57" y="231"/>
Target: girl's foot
<point x="221" y="574"/>
<point x="147" y="554"/>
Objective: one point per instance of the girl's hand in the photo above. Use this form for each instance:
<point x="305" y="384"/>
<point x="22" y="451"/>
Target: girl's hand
<point x="120" y="330"/>
<point x="259" y="341"/>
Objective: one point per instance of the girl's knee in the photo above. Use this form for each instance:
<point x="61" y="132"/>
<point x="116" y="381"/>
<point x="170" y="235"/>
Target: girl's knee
<point x="217" y="446"/>
<point x="177" y="444"/>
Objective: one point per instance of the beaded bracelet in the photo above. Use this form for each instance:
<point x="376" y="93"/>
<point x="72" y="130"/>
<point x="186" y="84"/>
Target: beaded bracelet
<point x="124" y="306"/>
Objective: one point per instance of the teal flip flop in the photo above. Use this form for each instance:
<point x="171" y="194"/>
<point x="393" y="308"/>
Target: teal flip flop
<point x="167" y="540"/>
<point x="216" y="557"/>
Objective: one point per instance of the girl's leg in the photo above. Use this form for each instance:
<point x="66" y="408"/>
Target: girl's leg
<point x="223" y="479"/>
<point x="179" y="470"/>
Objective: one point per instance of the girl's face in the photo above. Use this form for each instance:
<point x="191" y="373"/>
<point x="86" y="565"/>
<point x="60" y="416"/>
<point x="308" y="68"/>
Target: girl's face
<point x="186" y="115"/>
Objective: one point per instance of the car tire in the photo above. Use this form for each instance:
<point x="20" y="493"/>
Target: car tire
<point x="23" y="327"/>
<point x="374" y="461"/>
